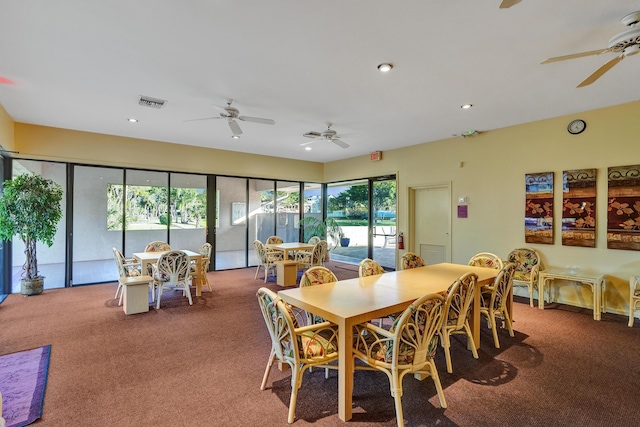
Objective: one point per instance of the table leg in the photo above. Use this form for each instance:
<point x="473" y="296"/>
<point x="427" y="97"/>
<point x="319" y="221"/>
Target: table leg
<point x="345" y="368"/>
<point x="541" y="284"/>
<point x="474" y="319"/>
<point x="198" y="279"/>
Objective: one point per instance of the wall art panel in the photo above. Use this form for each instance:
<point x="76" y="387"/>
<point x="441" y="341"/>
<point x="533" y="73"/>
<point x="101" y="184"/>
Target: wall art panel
<point x="623" y="210"/>
<point x="538" y="216"/>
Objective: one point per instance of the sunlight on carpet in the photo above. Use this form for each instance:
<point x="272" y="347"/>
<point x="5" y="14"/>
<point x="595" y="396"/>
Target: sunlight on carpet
<point x="23" y="379"/>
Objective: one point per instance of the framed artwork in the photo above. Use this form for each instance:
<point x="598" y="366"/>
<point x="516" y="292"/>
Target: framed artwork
<point x="238" y="213"/>
<point x="538" y="212"/>
<point x="623" y="209"/>
<point x="579" y="208"/>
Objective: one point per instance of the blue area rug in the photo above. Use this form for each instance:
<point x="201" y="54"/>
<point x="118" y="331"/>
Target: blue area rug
<point x="23" y="379"/>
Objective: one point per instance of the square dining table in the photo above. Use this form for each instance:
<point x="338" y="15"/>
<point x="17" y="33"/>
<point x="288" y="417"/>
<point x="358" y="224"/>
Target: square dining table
<point x="285" y="248"/>
<point x="352" y="301"/>
<point x="146" y="258"/>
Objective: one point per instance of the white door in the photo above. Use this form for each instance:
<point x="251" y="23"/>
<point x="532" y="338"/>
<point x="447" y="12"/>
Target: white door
<point x="432" y="223"/>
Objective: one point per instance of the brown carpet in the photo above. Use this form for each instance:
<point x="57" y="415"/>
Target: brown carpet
<point x="201" y="365"/>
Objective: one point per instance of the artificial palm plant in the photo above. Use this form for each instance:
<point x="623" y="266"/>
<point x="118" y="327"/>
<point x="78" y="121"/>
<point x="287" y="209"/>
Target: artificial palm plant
<point x="30" y="208"/>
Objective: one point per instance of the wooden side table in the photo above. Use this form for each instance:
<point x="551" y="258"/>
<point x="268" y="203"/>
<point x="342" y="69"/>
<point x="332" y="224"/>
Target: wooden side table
<point x="287" y="272"/>
<point x="136" y="294"/>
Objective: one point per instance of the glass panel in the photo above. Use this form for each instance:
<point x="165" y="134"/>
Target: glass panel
<point x="188" y="226"/>
<point x="261" y="214"/>
<point x="312" y="206"/>
<point x="231" y="227"/>
<point x="384" y="223"/>
<point x="51" y="260"/>
<point x="347" y="217"/>
<point x="97" y="223"/>
<point x="146" y="209"/>
<point x="288" y="211"/>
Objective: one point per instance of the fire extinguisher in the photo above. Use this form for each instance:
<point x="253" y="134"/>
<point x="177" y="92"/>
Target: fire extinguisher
<point x="400" y="241"/>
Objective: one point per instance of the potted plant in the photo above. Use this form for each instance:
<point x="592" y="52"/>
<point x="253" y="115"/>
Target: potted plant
<point x="30" y="208"/>
<point x="328" y="228"/>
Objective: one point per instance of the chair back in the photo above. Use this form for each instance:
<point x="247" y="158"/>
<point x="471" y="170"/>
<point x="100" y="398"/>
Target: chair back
<point x="369" y="267"/>
<point x="280" y="325"/>
<point x="502" y="285"/>
<point x="459" y="299"/>
<point x="313" y="240"/>
<point x="411" y="260"/>
<point x="317" y="276"/>
<point x="205" y="251"/>
<point x="319" y="253"/>
<point x="487" y="260"/>
<point x="261" y="251"/>
<point x="157" y="246"/>
<point x="415" y="340"/>
<point x="124" y="269"/>
<point x="525" y="259"/>
<point x="173" y="267"/>
<point x="274" y="240"/>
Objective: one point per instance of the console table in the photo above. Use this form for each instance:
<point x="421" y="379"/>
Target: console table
<point x="595" y="280"/>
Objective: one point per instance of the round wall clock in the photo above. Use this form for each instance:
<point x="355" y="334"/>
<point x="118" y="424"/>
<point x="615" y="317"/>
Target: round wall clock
<point x="576" y="127"/>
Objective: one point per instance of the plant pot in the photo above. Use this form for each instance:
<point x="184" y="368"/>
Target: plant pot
<point x="344" y="242"/>
<point x="32" y="286"/>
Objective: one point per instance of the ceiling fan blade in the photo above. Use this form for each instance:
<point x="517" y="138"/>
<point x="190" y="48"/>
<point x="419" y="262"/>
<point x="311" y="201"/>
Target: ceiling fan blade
<point x="257" y="120"/>
<point x="575" y="55"/>
<point x="508" y="3"/>
<point x="340" y="143"/>
<point x="312" y="134"/>
<point x="307" y="143"/>
<point x="600" y="71"/>
<point x="235" y="128"/>
<point x="205" y="118"/>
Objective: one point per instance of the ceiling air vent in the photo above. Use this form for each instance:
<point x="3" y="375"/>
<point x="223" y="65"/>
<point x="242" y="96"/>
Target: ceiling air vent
<point x="147" y="101"/>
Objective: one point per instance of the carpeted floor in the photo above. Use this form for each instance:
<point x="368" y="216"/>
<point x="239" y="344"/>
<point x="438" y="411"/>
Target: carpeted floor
<point x="201" y="365"/>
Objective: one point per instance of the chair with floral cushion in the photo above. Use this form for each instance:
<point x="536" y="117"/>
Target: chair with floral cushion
<point x="411" y="260"/>
<point x="313" y="240"/>
<point x="528" y="266"/>
<point x="407" y="348"/>
<point x="201" y="266"/>
<point x="495" y="298"/>
<point x="274" y="240"/>
<point x="172" y="272"/>
<point x="266" y="259"/>
<point x="315" y="257"/>
<point x="457" y="308"/>
<point x="126" y="268"/>
<point x="157" y="246"/>
<point x="369" y="267"/>
<point x="316" y="276"/>
<point x="634" y="297"/>
<point x="300" y="347"/>
<point x="487" y="260"/>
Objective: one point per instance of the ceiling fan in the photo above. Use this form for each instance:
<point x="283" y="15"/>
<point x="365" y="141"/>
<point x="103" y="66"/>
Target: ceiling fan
<point x="508" y="3"/>
<point x="626" y="43"/>
<point x="328" y="135"/>
<point x="231" y="114"/>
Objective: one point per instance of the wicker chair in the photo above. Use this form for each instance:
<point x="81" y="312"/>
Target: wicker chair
<point x="313" y="240"/>
<point x="300" y="347"/>
<point x="369" y="267"/>
<point x="495" y="298"/>
<point x="126" y="268"/>
<point x="459" y="300"/>
<point x="486" y="259"/>
<point x="266" y="259"/>
<point x="157" y="246"/>
<point x="274" y="240"/>
<point x="172" y="272"/>
<point x="528" y="266"/>
<point x="315" y="257"/>
<point x="201" y="267"/>
<point x="407" y="348"/>
<point x="411" y="260"/>
<point x="634" y="297"/>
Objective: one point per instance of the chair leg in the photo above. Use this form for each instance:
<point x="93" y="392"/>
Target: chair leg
<point x="446" y="343"/>
<point x="396" y="392"/>
<point x="121" y="294"/>
<point x="530" y="286"/>
<point x="267" y="370"/>
<point x="257" y="271"/>
<point x="436" y="381"/>
<point x="507" y="322"/>
<point x="296" y="377"/>
<point x="494" y="328"/>
<point x="631" y="314"/>
<point x="470" y="343"/>
<point x="159" y="296"/>
<point x="187" y="291"/>
<point x="118" y="289"/>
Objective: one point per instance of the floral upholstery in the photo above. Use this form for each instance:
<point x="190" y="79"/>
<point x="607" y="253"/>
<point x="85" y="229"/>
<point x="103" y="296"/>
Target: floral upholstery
<point x="157" y="246"/>
<point x="300" y="347"/>
<point x="527" y="267"/>
<point x="459" y="299"/>
<point x="315" y="257"/>
<point x="274" y="240"/>
<point x="313" y="240"/>
<point x="408" y="347"/>
<point x="634" y="297"/>
<point x="317" y="276"/>
<point x="369" y="267"/>
<point x="411" y="260"/>
<point x="494" y="298"/>
<point x="487" y="260"/>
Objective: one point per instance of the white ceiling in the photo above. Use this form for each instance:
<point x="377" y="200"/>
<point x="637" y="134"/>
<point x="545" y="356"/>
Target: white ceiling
<point x="82" y="65"/>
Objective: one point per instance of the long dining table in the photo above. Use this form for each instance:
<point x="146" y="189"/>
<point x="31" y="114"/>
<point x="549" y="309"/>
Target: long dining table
<point x="147" y="258"/>
<point x="352" y="301"/>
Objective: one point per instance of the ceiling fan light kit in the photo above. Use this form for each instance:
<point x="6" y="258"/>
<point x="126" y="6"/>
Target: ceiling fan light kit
<point x="328" y="135"/>
<point x="231" y="114"/>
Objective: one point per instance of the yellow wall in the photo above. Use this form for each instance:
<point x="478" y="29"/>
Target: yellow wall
<point x="6" y="130"/>
<point x="41" y="142"/>
<point x="492" y="179"/>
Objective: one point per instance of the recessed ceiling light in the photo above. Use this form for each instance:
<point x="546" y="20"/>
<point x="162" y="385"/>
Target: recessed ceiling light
<point x="307" y="148"/>
<point x="466" y="106"/>
<point x="132" y="120"/>
<point x="385" y="68"/>
<point x="236" y="137"/>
